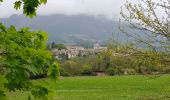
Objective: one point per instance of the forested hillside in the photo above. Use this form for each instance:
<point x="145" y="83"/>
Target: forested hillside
<point x="80" y="29"/>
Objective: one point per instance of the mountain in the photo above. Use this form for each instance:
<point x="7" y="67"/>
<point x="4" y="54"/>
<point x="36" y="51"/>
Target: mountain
<point x="77" y="29"/>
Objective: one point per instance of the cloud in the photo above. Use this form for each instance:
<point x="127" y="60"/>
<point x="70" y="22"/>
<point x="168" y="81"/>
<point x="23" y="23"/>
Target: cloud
<point x="6" y="9"/>
<point x="107" y="8"/>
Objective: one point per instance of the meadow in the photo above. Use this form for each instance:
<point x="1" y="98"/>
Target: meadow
<point x="135" y="87"/>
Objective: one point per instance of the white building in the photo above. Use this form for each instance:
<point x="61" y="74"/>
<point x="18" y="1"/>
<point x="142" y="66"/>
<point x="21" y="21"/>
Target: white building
<point x="97" y="47"/>
<point x="74" y="51"/>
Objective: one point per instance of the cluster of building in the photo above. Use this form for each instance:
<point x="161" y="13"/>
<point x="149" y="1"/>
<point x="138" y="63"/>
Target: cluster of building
<point x="74" y="51"/>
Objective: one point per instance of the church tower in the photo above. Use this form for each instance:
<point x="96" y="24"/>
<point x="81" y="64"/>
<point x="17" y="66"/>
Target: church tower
<point x="96" y="45"/>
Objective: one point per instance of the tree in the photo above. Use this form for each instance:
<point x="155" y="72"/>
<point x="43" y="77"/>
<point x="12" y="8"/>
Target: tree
<point x="57" y="46"/>
<point x="152" y="18"/>
<point x="23" y="53"/>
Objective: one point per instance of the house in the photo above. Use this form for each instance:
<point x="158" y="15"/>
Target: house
<point x="59" y="53"/>
<point x="73" y="51"/>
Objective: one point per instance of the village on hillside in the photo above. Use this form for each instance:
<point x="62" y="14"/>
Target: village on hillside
<point x="72" y="51"/>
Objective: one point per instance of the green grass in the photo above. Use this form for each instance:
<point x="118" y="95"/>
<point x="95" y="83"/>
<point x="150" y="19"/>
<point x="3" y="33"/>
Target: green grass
<point x="108" y="88"/>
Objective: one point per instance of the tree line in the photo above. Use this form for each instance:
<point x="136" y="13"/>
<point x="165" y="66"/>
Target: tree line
<point x="120" y="60"/>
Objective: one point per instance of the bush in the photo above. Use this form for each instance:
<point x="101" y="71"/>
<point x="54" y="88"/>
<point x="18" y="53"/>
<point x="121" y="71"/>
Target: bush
<point x="63" y="72"/>
<point x="71" y="68"/>
<point x="114" y="71"/>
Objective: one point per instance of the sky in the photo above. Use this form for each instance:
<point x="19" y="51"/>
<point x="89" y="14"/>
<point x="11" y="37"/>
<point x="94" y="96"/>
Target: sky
<point x="104" y="8"/>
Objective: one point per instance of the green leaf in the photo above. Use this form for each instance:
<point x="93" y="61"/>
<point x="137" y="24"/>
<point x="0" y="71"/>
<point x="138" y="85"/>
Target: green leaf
<point x="29" y="97"/>
<point x="17" y="5"/>
<point x="2" y="95"/>
<point x="40" y="92"/>
<point x="43" y="1"/>
<point x="30" y="7"/>
<point x="2" y="28"/>
<point x="53" y="71"/>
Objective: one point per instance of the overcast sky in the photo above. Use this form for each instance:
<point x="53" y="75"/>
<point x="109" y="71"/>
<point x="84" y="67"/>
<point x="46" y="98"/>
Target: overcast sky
<point x="107" y="8"/>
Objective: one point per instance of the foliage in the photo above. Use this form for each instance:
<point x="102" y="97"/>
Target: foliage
<point x="124" y="59"/>
<point x="71" y="68"/>
<point x="152" y="18"/>
<point x="2" y="95"/>
<point x="40" y="92"/>
<point x="58" y="46"/>
<point x="53" y="71"/>
<point x="22" y="54"/>
<point x="29" y="6"/>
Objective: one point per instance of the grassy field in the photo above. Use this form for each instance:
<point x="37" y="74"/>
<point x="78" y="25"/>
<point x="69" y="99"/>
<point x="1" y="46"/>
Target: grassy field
<point x="108" y="88"/>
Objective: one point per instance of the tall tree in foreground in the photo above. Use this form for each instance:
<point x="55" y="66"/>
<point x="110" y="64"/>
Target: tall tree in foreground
<point x="22" y="54"/>
<point x="152" y="17"/>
